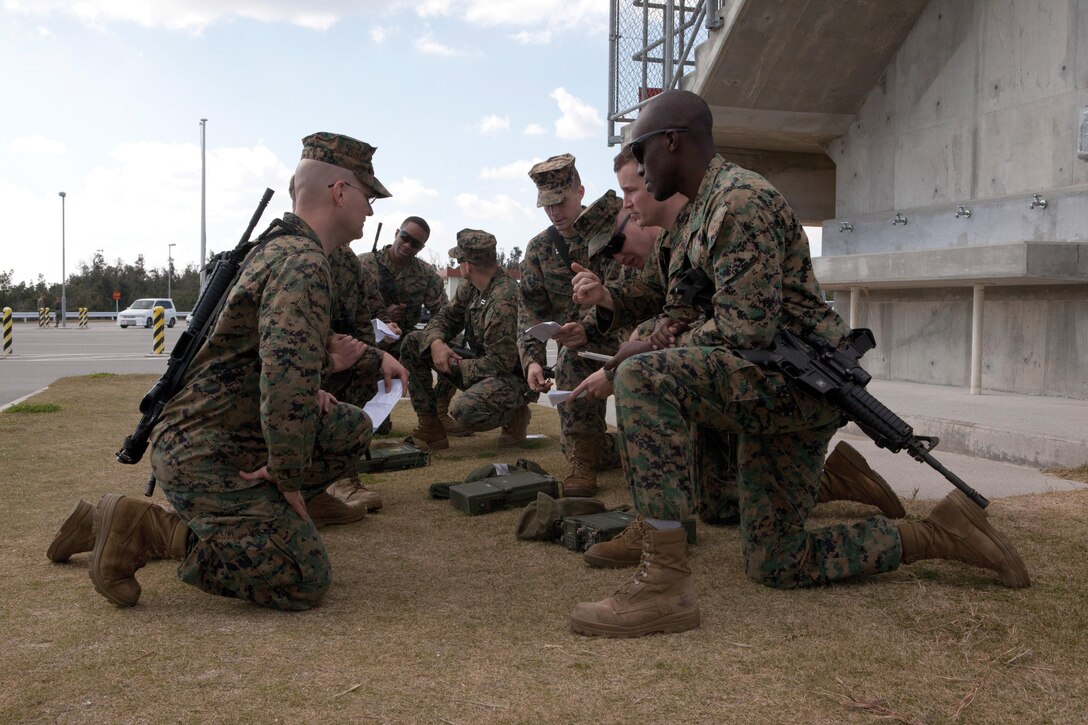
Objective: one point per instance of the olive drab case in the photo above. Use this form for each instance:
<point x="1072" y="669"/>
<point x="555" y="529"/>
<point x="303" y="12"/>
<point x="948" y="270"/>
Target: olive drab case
<point x="392" y="456"/>
<point x="578" y="533"/>
<point x="499" y="492"/>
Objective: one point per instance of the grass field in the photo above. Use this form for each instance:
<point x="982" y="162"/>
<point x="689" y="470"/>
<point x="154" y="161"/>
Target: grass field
<point x="435" y="616"/>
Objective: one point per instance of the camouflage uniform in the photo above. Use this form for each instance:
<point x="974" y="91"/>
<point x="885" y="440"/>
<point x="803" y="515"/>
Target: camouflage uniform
<point x="415" y="284"/>
<point x="249" y="400"/>
<point x="492" y="382"/>
<point x="545" y="295"/>
<point x="762" y="279"/>
<point x="354" y="297"/>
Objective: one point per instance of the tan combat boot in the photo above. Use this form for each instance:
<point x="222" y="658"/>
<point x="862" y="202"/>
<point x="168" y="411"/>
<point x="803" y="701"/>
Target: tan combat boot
<point x="129" y="533"/>
<point x="453" y="428"/>
<point x="848" y="477"/>
<point x="76" y="534"/>
<point x="660" y="597"/>
<point x="625" y="549"/>
<point x="351" y="491"/>
<point x="513" y="433"/>
<point x="958" y="529"/>
<point x="581" y="478"/>
<point x="429" y="431"/>
<point x="326" y="510"/>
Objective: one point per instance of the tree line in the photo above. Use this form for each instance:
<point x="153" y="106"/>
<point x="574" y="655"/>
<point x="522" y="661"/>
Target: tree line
<point x="93" y="285"/>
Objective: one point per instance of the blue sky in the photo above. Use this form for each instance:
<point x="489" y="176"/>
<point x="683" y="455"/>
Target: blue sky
<point x="461" y="97"/>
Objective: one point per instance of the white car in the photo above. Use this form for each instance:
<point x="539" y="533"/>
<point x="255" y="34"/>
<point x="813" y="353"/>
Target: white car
<point x="141" y="312"/>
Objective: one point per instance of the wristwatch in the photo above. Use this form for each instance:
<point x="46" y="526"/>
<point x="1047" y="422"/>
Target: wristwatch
<point x="610" y="374"/>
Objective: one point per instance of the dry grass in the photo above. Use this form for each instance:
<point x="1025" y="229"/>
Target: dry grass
<point x="1080" y="473"/>
<point x="439" y="617"/>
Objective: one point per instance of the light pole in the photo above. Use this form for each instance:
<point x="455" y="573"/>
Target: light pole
<point x="169" y="268"/>
<point x="203" y="224"/>
<point x="63" y="277"/>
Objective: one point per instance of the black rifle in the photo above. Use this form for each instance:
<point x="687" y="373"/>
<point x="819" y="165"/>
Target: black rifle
<point x="835" y="374"/>
<point x="376" y="235"/>
<point x="222" y="277"/>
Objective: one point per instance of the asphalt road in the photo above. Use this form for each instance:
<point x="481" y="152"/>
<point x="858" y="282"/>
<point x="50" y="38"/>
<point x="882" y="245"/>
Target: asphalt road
<point x="42" y="355"/>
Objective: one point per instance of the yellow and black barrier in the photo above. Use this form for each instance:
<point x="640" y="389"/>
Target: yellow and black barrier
<point x="83" y="317"/>
<point x="43" y="317"/>
<point x="158" y="330"/>
<point x="7" y="330"/>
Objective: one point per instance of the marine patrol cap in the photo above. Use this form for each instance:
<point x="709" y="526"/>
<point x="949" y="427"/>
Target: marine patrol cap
<point x="347" y="153"/>
<point x="474" y="244"/>
<point x="553" y="179"/>
<point x="597" y="223"/>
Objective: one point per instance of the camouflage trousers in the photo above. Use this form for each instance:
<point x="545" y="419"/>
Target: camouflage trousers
<point x="781" y="438"/>
<point x="484" y="405"/>
<point x="249" y="543"/>
<point x="583" y="418"/>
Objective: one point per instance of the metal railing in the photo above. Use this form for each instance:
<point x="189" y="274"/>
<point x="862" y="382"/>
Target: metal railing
<point x="651" y="47"/>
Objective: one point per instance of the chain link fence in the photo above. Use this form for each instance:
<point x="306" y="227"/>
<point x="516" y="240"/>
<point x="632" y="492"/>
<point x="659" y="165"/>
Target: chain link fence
<point x="652" y="46"/>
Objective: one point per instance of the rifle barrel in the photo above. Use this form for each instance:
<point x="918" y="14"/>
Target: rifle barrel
<point x="978" y="498"/>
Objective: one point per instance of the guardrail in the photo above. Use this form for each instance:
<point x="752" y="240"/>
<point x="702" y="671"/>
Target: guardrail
<point x="73" y="315"/>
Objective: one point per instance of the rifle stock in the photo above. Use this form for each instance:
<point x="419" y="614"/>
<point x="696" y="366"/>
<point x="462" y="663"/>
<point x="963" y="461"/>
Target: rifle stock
<point x="205" y="312"/>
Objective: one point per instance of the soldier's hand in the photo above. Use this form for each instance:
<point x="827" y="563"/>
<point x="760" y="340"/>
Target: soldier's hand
<point x="627" y="349"/>
<point x="534" y="375"/>
<point x="343" y="351"/>
<point x="325" y="401"/>
<point x="392" y="368"/>
<point x="442" y="357"/>
<point x="572" y="334"/>
<point x="394" y="327"/>
<point x="596" y="386"/>
<point x="665" y="332"/>
<point x="396" y="312"/>
<point x="588" y="289"/>
<point x="294" y="498"/>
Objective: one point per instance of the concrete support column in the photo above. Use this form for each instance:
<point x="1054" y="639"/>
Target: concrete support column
<point x="855" y="307"/>
<point x="976" y="340"/>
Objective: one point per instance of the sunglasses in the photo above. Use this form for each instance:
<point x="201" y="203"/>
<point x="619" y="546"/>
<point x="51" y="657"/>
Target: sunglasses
<point x="417" y="244"/>
<point x="638" y="145"/>
<point x="615" y="244"/>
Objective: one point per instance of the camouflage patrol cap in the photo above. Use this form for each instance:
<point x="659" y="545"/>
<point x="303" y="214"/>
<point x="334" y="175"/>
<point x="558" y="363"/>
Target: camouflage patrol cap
<point x="597" y="223"/>
<point x="553" y="179"/>
<point x="474" y="244"/>
<point x="347" y="153"/>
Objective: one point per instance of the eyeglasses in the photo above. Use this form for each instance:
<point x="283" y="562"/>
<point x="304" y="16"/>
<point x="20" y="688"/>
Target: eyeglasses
<point x="370" y="198"/>
<point x="458" y="261"/>
<point x="417" y="244"/>
<point x="615" y="244"/>
<point x="637" y="149"/>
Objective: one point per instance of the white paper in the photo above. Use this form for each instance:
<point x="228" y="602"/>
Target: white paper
<point x="599" y="357"/>
<point x="383" y="331"/>
<point x="544" y="331"/>
<point x="556" y="397"/>
<point x="379" y="407"/>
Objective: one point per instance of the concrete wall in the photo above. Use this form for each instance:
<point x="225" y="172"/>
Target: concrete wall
<point x="1035" y="339"/>
<point x="980" y="107"/>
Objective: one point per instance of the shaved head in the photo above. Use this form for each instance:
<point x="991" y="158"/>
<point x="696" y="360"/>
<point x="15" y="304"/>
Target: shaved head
<point x="673" y="137"/>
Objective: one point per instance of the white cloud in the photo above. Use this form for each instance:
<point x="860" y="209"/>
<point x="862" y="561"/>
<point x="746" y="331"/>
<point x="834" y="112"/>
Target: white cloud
<point x="589" y="16"/>
<point x="37" y="145"/>
<point x="378" y="33"/>
<point x="427" y="45"/>
<point x="513" y="170"/>
<point x="535" y="129"/>
<point x="492" y="123"/>
<point x="527" y="37"/>
<point x="500" y="208"/>
<point x="117" y="210"/>
<point x="409" y="191"/>
<point x="578" y="120"/>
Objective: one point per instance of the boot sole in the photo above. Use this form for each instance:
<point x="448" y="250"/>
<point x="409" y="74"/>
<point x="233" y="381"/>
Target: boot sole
<point x="103" y="517"/>
<point x="1015" y="578"/>
<point x="893" y="507"/>
<point x="666" y="625"/>
<point x="68" y="530"/>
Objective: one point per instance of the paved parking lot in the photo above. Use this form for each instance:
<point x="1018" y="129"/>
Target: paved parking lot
<point x="41" y="355"/>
